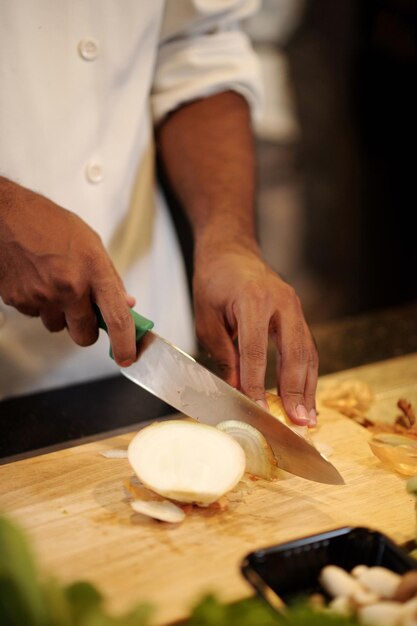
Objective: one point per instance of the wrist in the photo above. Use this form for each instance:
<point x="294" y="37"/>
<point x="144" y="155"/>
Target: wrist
<point x="224" y="220"/>
<point x="224" y="238"/>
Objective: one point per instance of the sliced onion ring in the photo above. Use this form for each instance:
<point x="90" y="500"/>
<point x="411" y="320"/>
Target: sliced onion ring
<point x="260" y="459"/>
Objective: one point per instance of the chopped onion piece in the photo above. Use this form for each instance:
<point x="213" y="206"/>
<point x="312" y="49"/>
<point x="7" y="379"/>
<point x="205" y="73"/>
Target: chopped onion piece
<point x="324" y="448"/>
<point x="260" y="459"/>
<point x="116" y="453"/>
<point x="163" y="510"/>
<point x="186" y="461"/>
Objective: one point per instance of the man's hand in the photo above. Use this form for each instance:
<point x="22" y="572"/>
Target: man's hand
<point x="237" y="295"/>
<point x="53" y="265"/>
<point x="207" y="149"/>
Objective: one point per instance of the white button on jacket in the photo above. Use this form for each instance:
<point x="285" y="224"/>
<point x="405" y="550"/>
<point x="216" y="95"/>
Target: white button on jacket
<point x="57" y="111"/>
<point x="94" y="172"/>
<point x="88" y="49"/>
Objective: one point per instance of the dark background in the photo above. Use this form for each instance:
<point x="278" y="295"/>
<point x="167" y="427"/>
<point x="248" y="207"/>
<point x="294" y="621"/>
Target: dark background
<point x="354" y="74"/>
<point x="353" y="168"/>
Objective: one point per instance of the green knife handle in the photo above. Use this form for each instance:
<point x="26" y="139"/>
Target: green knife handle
<point x="142" y="325"/>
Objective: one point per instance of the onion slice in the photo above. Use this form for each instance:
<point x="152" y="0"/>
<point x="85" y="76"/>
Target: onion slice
<point x="260" y="459"/>
<point x="162" y="510"/>
<point x="115" y="453"/>
<point x="186" y="461"/>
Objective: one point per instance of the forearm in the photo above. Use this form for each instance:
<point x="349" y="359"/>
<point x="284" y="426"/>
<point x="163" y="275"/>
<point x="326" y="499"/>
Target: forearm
<point x="207" y="151"/>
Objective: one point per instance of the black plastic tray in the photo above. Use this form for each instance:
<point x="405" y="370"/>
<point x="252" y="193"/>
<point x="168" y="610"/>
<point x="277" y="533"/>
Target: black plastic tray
<point x="292" y="569"/>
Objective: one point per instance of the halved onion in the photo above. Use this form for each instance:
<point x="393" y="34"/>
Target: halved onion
<point x="260" y="459"/>
<point x="186" y="461"/>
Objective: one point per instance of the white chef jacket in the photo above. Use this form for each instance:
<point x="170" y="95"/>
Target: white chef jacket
<point x="82" y="84"/>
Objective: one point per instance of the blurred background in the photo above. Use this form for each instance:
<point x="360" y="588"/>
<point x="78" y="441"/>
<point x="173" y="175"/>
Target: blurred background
<point x="337" y="151"/>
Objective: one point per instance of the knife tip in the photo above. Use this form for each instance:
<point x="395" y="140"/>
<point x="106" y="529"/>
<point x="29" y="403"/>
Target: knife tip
<point x="336" y="478"/>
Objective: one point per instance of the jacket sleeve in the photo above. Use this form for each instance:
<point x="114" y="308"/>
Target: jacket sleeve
<point x="203" y="51"/>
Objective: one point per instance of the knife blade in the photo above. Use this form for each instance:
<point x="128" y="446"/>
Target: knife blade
<point x="179" y="380"/>
<point x="176" y="378"/>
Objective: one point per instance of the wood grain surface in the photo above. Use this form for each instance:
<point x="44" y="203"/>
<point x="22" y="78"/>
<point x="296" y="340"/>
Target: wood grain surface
<point x="75" y="509"/>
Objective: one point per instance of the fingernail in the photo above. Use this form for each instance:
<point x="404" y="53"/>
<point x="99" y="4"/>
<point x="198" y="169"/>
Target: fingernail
<point x="263" y="404"/>
<point x="125" y="363"/>
<point x="302" y="414"/>
<point x="312" y="417"/>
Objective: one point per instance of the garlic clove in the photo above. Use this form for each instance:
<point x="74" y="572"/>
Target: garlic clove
<point x="409" y="610"/>
<point x="380" y="581"/>
<point x="384" y="613"/>
<point x="362" y="597"/>
<point x="260" y="459"/>
<point x="358" y="570"/>
<point x="162" y="510"/>
<point x="338" y="582"/>
<point x="340" y="605"/>
<point x="186" y="461"/>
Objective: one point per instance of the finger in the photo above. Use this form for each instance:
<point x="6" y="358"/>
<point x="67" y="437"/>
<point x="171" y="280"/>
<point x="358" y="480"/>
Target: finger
<point x="82" y="322"/>
<point x="220" y="346"/>
<point x="278" y="369"/>
<point x="111" y="300"/>
<point x="26" y="309"/>
<point x="294" y="368"/>
<point x="253" y="332"/>
<point x="311" y="380"/>
<point x="311" y="386"/>
<point x="22" y="302"/>
<point x="130" y="300"/>
<point x="53" y="319"/>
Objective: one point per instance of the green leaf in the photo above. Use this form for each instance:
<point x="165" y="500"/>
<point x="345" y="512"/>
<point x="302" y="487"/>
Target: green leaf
<point x="83" y="599"/>
<point x="87" y="609"/>
<point x="209" y="612"/>
<point x="21" y="598"/>
<point x="254" y="612"/>
<point x="13" y="608"/>
<point x="140" y="616"/>
<point x="57" y="604"/>
<point x="303" y="615"/>
<point x="98" y="617"/>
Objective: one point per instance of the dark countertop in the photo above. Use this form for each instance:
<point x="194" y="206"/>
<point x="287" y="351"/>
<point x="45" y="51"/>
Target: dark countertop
<point x="37" y="423"/>
<point x="367" y="338"/>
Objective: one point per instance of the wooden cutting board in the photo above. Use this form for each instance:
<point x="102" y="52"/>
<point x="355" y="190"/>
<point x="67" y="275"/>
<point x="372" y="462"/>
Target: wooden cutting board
<point x="75" y="509"/>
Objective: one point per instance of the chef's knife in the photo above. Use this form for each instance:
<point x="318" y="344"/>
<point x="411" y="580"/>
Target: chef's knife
<point x="176" y="378"/>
